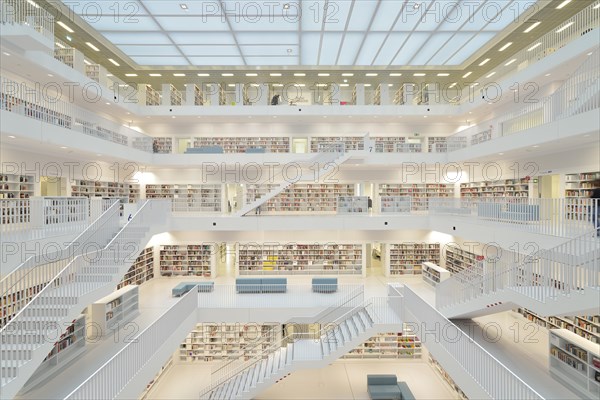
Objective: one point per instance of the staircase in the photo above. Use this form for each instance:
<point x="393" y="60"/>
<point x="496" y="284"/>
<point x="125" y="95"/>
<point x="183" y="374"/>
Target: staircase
<point x="28" y="337"/>
<point x="564" y="280"/>
<point x="323" y="160"/>
<point x="247" y="379"/>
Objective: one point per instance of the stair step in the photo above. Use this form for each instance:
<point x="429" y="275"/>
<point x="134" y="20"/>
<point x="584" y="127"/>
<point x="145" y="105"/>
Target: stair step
<point x="368" y="317"/>
<point x="249" y="378"/>
<point x="363" y="319"/>
<point x="352" y="326"/>
<point x="269" y="366"/>
<point x="344" y="331"/>
<point x="263" y="370"/>
<point x="289" y="353"/>
<point x="359" y="324"/>
<point x="231" y="384"/>
<point x="255" y="374"/>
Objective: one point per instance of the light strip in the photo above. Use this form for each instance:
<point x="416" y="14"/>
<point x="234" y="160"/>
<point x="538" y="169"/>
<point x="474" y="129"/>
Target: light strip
<point x="131" y="74"/>
<point x="178" y="74"/>
<point x="347" y="74"/>
<point x="226" y="74"/>
<point x="443" y="74"/>
<point x="65" y="27"/>
<point x="367" y="84"/>
<point x="395" y="74"/>
<point x="33" y="3"/>
<point x="114" y="62"/>
<point x="535" y="46"/>
<point x="510" y="62"/>
<point x="251" y="74"/>
<point x="275" y="74"/>
<point x="419" y="74"/>
<point x="506" y="46"/>
<point x="371" y="74"/>
<point x="481" y="64"/>
<point x="565" y="27"/>
<point x="321" y="84"/>
<point x="299" y="74"/>
<point x="344" y="84"/>
<point x="155" y="74"/>
<point x="597" y="6"/>
<point x="467" y="74"/>
<point x="91" y="46"/>
<point x="451" y="86"/>
<point x="59" y="44"/>
<point x="203" y="74"/>
<point x="87" y="62"/>
<point x="323" y="74"/>
<point x="564" y="3"/>
<point x="490" y="75"/>
<point x="532" y="27"/>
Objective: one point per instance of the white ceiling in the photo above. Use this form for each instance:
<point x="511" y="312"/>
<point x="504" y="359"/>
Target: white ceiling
<point x="306" y="33"/>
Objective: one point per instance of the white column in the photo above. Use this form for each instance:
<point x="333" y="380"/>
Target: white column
<point x="334" y="94"/>
<point x="214" y="94"/>
<point x="141" y="94"/>
<point x="409" y="93"/>
<point x="166" y="94"/>
<point x="239" y="94"/>
<point x="189" y="95"/>
<point x="360" y="94"/>
<point x="384" y="91"/>
<point x="264" y="95"/>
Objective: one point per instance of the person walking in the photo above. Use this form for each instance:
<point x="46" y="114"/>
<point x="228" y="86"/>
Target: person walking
<point x="595" y="206"/>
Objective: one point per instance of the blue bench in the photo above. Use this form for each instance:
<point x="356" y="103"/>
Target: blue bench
<point x="324" y="285"/>
<point x="205" y="150"/>
<point x="387" y="387"/>
<point x="255" y="150"/>
<point x="185" y="287"/>
<point x="261" y="285"/>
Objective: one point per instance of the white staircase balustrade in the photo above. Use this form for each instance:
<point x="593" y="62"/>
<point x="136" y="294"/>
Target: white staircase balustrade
<point x="22" y="12"/>
<point x="564" y="280"/>
<point x="128" y="372"/>
<point x="29" y="336"/>
<point x="479" y="374"/>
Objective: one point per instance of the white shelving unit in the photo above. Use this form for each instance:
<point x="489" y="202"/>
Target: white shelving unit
<point x="11" y="303"/>
<point x="418" y="192"/>
<point x="579" y="186"/>
<point x="241" y="144"/>
<point x="152" y="96"/>
<point x="198" y="96"/>
<point x="188" y="259"/>
<point x="350" y="142"/>
<point x="176" y="96"/>
<point x="142" y="269"/>
<point x="189" y="197"/>
<point x="388" y="144"/>
<point x="353" y="205"/>
<point x="502" y="188"/>
<point x="586" y="326"/>
<point x="434" y="274"/>
<point x="299" y="258"/>
<point x="458" y="260"/>
<point x="408" y="258"/>
<point x="437" y="144"/>
<point x="130" y="192"/>
<point x="303" y="197"/>
<point x="575" y="362"/>
<point x="394" y="204"/>
<point x="390" y="345"/>
<point x="220" y="342"/>
<point x="16" y="186"/>
<point x="481" y="137"/>
<point x="113" y="310"/>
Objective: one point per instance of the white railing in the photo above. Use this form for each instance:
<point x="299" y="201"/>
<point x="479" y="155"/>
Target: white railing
<point x="31" y="276"/>
<point x="82" y="276"/>
<point x="276" y="295"/>
<point x="489" y="373"/>
<point x="22" y="12"/>
<point x="21" y="98"/>
<point x="545" y="275"/>
<point x="108" y="381"/>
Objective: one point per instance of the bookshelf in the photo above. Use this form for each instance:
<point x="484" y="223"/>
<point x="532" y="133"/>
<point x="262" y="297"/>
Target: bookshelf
<point x="303" y="197"/>
<point x="399" y="96"/>
<point x="217" y="342"/>
<point x="299" y="258"/>
<point x="69" y="345"/>
<point x="481" y="137"/>
<point x="502" y="188"/>
<point x="407" y="258"/>
<point x="11" y="303"/>
<point x="65" y="55"/>
<point x="575" y="362"/>
<point x="129" y="192"/>
<point x="585" y="326"/>
<point x="198" y="96"/>
<point x="141" y="271"/>
<point x="159" y="145"/>
<point x="388" y="144"/>
<point x="418" y="192"/>
<point x="434" y="274"/>
<point x="446" y="377"/>
<point x="458" y="260"/>
<point x="110" y="312"/>
<point x="350" y="142"/>
<point x="176" y="97"/>
<point x="391" y="345"/>
<point x="353" y="205"/>
<point x="92" y="71"/>
<point x="189" y="197"/>
<point x="377" y="96"/>
<point x="152" y="96"/>
<point x="579" y="186"/>
<point x="16" y="186"/>
<point x="394" y="204"/>
<point x="437" y="144"/>
<point x="241" y="144"/>
<point x="411" y="146"/>
<point x="192" y="259"/>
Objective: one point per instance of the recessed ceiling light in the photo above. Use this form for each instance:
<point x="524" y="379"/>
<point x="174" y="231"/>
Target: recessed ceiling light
<point x="203" y="74"/>
<point x="50" y="75"/>
<point x="69" y="38"/>
<point x="323" y="74"/>
<point x="278" y="84"/>
<point x="590" y="53"/>
<point x="490" y="74"/>
<point x="324" y="116"/>
<point x="252" y="74"/>
<point x="33" y="3"/>
<point x="564" y="3"/>
<point x="254" y="84"/>
<point x="500" y="154"/>
<point x="454" y="84"/>
<point x="86" y="62"/>
<point x="299" y="84"/>
<point x="475" y="84"/>
<point x="344" y="84"/>
<point x="321" y="84"/>
<point x="371" y="74"/>
<point x="367" y="84"/>
<point x="481" y="64"/>
<point x="274" y="74"/>
<point x="12" y="137"/>
<point x="65" y="26"/>
<point x="131" y="74"/>
<point x="299" y="74"/>
<point x="597" y="6"/>
<point x="6" y="54"/>
<point x="227" y="74"/>
<point x="108" y="104"/>
<point x="510" y="62"/>
<point x="416" y="5"/>
<point x="419" y="74"/>
<point x="564" y="27"/>
<point x="390" y="84"/>
<point x="63" y="147"/>
<point x="231" y="85"/>
<point x="114" y="62"/>
<point x="109" y="74"/>
<point x="274" y="116"/>
<point x="91" y="46"/>
<point x="345" y="80"/>
<point x="535" y="147"/>
<point x="424" y="116"/>
<point x="532" y="27"/>
<point x="98" y="155"/>
<point x="443" y="74"/>
<point x="535" y="46"/>
<point x="173" y="117"/>
<point x="289" y="50"/>
<point x="547" y="74"/>
<point x="395" y="74"/>
<point x="506" y="46"/>
<point x="183" y="6"/>
<point x="286" y="6"/>
<point x="59" y="44"/>
<point x="467" y="74"/>
<point x="178" y="74"/>
<point x="347" y="74"/>
<point x="155" y="74"/>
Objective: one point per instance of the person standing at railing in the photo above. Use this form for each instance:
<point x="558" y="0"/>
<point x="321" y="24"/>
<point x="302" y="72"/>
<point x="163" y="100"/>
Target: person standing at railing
<point x="595" y="200"/>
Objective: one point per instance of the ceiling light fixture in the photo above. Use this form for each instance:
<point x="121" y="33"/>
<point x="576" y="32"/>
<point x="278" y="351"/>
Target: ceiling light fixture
<point x="274" y="74"/>
<point x="203" y="74"/>
<point x="131" y="75"/>
<point x="183" y="6"/>
<point x="12" y="137"/>
<point x="443" y="74"/>
<point x="6" y="54"/>
<point x="91" y="46"/>
<point x="155" y="74"/>
<point x="564" y="3"/>
<point x="299" y="74"/>
<point x="344" y="84"/>
<point x="419" y="74"/>
<point x="65" y="27"/>
<point x="109" y="75"/>
<point x="481" y="64"/>
<point x="59" y="44"/>
<point x="50" y="75"/>
<point x="254" y="85"/>
<point x="597" y="6"/>
<point x="86" y="62"/>
<point x="371" y="74"/>
<point x="63" y="147"/>
<point x="299" y="84"/>
<point x="69" y="38"/>
<point x="323" y="74"/>
<point x="564" y="27"/>
<point x="532" y="27"/>
<point x="451" y="86"/>
<point x="395" y="74"/>
<point x="231" y="85"/>
<point x="547" y="75"/>
<point x="367" y="84"/>
<point x="227" y="74"/>
<point x="506" y="46"/>
<point x="114" y="62"/>
<point x="535" y="46"/>
<point x="251" y="74"/>
<point x="467" y="74"/>
<point x="286" y="6"/>
<point x="347" y="74"/>
<point x="490" y="75"/>
<point x="510" y="62"/>
<point x="590" y="53"/>
<point x="289" y="50"/>
<point x="178" y="74"/>
<point x="278" y="84"/>
<point x="321" y="84"/>
<point x="108" y="104"/>
<point x="33" y="3"/>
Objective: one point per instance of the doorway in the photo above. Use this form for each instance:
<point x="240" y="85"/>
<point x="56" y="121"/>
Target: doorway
<point x="235" y="197"/>
<point x="52" y="186"/>
<point x="549" y="186"/>
<point x="375" y="259"/>
<point x="299" y="145"/>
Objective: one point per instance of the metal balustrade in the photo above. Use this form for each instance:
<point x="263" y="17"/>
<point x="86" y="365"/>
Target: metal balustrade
<point x="489" y="373"/>
<point x="110" y="379"/>
<point x="27" y="13"/>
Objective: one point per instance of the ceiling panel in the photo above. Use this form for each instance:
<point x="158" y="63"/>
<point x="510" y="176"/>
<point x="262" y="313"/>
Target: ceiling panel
<point x="387" y="13"/>
<point x="370" y="47"/>
<point x="312" y="15"/>
<point x="361" y="15"/>
<point x="470" y="47"/>
<point x="350" y="47"/>
<point x="137" y="37"/>
<point x="310" y="48"/>
<point x="182" y="38"/>
<point x="216" y="60"/>
<point x="262" y="38"/>
<point x="429" y="48"/>
<point x="336" y="15"/>
<point x="218" y="50"/>
<point x="331" y="43"/>
<point x="149" y="50"/>
<point x="268" y="27"/>
<point x="411" y="47"/>
<point x="260" y="50"/>
<point x="153" y="60"/>
<point x="450" y="48"/>
<point x="390" y="48"/>
<point x="192" y="24"/>
<point x="108" y="23"/>
<point x="272" y="60"/>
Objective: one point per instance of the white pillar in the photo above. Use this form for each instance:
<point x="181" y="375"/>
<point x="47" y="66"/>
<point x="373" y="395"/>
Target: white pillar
<point x="190" y="94"/>
<point x="166" y="94"/>
<point x="360" y="94"/>
<point x="384" y="91"/>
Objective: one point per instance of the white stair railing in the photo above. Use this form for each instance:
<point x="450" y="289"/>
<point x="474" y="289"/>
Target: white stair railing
<point x="86" y="278"/>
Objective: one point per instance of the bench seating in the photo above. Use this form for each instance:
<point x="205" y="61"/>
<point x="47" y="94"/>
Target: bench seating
<point x="324" y="285"/>
<point x="261" y="285"/>
<point x="205" y="150"/>
<point x="185" y="287"/>
<point x="387" y="387"/>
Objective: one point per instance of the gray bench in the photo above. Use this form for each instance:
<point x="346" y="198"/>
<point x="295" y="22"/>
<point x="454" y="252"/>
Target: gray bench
<point x="324" y="285"/>
<point x="261" y="285"/>
<point x="185" y="287"/>
<point x="205" y="150"/>
<point x="387" y="387"/>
